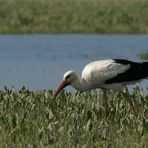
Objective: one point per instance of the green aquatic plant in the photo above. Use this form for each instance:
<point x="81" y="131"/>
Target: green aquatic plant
<point x="33" y="119"/>
<point x="144" y="55"/>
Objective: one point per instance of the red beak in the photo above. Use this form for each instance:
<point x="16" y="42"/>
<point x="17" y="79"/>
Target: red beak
<point x="63" y="84"/>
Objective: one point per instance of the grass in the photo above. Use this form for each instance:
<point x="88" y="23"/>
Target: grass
<point x="144" y="55"/>
<point x="75" y="16"/>
<point x="32" y="119"/>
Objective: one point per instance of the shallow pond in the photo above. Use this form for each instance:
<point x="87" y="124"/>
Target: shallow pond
<point x="39" y="61"/>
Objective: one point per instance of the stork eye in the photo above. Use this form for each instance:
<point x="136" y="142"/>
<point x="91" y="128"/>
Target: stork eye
<point x="67" y="77"/>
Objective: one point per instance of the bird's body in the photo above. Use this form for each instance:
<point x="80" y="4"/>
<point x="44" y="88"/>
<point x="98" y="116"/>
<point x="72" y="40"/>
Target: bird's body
<point x="98" y="72"/>
<point x="110" y="74"/>
<point x="106" y="74"/>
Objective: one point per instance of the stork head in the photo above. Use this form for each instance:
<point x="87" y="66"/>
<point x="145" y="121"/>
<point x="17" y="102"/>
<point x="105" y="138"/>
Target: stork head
<point x="68" y="79"/>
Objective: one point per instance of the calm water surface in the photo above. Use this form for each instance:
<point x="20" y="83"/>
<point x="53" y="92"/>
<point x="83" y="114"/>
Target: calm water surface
<point x="39" y="61"/>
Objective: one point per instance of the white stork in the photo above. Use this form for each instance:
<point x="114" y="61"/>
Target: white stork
<point x="107" y="74"/>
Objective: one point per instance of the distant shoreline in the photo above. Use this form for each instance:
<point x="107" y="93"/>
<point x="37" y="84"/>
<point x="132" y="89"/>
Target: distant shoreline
<point x="83" y="16"/>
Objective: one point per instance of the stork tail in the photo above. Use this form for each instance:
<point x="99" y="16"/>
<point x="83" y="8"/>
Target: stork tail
<point x="145" y="68"/>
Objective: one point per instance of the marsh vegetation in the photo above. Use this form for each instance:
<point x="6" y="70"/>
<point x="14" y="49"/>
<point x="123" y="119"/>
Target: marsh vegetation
<point x="64" y="16"/>
<point x="32" y="119"/>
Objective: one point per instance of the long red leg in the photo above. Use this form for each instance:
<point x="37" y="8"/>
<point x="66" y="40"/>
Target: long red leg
<point x="133" y="108"/>
<point x="106" y="106"/>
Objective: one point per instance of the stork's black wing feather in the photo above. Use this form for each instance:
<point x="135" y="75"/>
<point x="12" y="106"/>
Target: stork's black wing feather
<point x="135" y="72"/>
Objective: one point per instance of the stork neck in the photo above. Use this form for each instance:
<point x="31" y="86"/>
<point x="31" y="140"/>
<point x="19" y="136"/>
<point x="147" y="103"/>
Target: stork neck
<point x="78" y="84"/>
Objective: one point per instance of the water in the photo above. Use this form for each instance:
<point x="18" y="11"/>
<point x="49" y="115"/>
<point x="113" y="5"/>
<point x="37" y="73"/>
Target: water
<point x="39" y="61"/>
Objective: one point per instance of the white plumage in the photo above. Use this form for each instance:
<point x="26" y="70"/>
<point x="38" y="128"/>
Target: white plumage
<point x="97" y="72"/>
